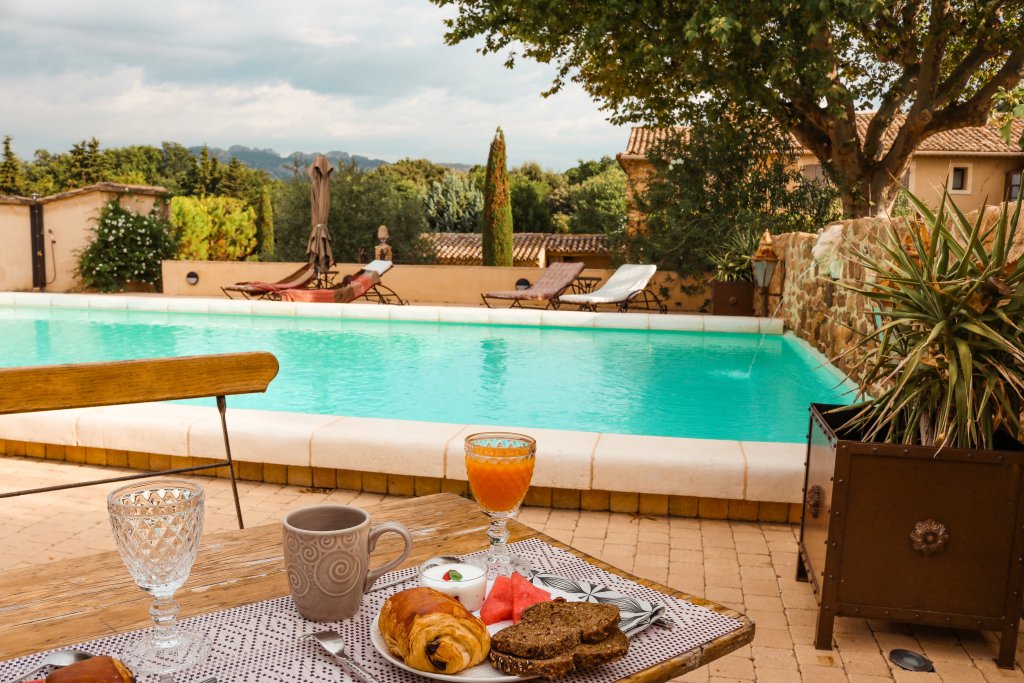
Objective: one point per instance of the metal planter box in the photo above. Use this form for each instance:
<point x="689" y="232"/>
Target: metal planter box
<point x="732" y="298"/>
<point x="905" y="534"/>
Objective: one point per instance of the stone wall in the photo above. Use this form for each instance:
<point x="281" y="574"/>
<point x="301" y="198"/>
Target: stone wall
<point x="814" y="306"/>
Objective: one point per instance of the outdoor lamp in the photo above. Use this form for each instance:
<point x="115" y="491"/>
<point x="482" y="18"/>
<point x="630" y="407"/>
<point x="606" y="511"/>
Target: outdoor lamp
<point x="763" y="264"/>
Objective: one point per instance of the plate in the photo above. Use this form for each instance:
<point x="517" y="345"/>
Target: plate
<point x="637" y="615"/>
<point x="481" y="673"/>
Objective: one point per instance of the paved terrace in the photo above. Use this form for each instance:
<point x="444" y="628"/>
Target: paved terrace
<point x="745" y="565"/>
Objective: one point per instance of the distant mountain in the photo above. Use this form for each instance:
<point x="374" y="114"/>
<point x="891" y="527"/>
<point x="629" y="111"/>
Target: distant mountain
<point x="280" y="166"/>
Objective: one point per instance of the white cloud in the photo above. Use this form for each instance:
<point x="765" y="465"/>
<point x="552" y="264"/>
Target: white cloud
<point x="366" y="77"/>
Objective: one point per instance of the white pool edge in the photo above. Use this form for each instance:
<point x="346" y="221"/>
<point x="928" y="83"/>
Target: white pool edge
<point x="675" y="322"/>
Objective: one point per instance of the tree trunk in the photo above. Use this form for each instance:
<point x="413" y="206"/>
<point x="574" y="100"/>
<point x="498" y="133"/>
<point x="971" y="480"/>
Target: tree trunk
<point x="868" y="194"/>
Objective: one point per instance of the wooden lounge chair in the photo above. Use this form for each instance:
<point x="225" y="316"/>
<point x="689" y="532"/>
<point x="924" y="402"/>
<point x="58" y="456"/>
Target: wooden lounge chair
<point x="549" y="286"/>
<point x="303" y="277"/>
<point x="628" y="287"/>
<point x="364" y="283"/>
<point x="84" y="385"/>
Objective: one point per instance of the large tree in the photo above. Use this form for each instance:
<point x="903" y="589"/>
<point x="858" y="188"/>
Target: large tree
<point x="925" y="66"/>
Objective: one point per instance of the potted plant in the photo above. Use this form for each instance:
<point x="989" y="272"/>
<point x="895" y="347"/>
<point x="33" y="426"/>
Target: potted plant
<point x="732" y="289"/>
<point x="913" y="495"/>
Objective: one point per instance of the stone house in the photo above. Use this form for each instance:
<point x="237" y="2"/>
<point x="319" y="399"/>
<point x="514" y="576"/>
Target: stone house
<point x="974" y="165"/>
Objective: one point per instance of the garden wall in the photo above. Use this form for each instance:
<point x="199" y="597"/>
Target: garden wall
<point x="814" y="306"/>
<point x="450" y="285"/>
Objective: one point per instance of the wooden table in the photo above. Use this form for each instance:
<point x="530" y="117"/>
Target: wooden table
<point x="69" y="601"/>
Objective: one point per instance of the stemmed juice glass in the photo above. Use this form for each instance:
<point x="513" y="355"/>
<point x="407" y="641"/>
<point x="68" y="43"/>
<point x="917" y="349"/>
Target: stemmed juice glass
<point x="157" y="525"/>
<point x="499" y="466"/>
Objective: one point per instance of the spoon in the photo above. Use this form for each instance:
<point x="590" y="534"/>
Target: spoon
<point x="58" y="658"/>
<point x="333" y="644"/>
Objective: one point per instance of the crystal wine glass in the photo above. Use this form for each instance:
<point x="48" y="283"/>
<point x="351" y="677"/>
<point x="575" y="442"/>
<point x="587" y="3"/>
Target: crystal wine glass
<point x="157" y="525"/>
<point x="499" y="466"/>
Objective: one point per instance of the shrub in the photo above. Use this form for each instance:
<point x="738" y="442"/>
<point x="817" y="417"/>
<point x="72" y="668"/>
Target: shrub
<point x="453" y="204"/>
<point x="213" y="228"/>
<point x="128" y="247"/>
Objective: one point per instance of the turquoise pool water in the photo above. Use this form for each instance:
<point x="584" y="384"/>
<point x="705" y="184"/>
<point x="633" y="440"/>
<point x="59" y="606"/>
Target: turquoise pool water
<point x="628" y="382"/>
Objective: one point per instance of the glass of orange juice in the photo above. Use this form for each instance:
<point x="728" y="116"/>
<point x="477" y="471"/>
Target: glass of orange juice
<point x="499" y="466"/>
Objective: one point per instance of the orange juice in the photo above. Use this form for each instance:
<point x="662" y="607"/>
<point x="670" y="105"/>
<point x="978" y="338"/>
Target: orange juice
<point x="499" y="478"/>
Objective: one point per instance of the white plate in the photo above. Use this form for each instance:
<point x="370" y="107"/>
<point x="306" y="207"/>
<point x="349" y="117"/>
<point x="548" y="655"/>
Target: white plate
<point x="481" y="673"/>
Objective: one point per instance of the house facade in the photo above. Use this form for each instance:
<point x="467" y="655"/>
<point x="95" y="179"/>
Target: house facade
<point x="973" y="164"/>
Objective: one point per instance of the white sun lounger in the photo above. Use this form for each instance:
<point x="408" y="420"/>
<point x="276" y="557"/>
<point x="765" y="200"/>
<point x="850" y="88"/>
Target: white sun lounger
<point x="628" y="286"/>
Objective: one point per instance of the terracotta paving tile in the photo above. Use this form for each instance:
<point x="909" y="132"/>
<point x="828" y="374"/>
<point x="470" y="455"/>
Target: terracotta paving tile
<point x="822" y="674"/>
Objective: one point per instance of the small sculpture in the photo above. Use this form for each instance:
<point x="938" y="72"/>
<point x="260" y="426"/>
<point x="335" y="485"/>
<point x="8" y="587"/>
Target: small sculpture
<point x="382" y="252"/>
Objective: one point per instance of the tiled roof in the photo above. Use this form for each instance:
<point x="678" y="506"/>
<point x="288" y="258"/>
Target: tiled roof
<point x="964" y="141"/>
<point x="528" y="248"/>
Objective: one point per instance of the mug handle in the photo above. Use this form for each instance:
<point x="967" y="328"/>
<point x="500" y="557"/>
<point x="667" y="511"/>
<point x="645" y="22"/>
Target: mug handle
<point x="394" y="527"/>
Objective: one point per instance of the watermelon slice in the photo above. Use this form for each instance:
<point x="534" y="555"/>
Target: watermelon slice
<point x="525" y="594"/>
<point x="498" y="605"/>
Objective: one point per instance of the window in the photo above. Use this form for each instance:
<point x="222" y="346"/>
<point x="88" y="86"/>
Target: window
<point x="812" y="173"/>
<point x="960" y="179"/>
<point x="907" y="179"/>
<point x="1013" y="185"/>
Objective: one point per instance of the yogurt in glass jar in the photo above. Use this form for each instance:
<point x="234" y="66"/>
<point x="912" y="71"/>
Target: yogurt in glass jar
<point x="463" y="579"/>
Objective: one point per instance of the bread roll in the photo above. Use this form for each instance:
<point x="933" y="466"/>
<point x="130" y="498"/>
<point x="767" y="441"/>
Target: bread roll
<point x="433" y="632"/>
<point x="100" y="669"/>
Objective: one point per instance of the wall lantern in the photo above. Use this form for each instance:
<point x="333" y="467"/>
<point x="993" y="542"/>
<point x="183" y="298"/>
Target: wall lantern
<point x="192" y="278"/>
<point x="522" y="283"/>
<point x="763" y="264"/>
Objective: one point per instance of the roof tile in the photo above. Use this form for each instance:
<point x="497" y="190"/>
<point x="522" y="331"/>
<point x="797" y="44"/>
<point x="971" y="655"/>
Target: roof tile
<point x="976" y="140"/>
<point x="466" y="248"/>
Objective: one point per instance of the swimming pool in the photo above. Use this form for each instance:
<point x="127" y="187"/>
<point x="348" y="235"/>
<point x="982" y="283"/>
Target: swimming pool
<point x="679" y="384"/>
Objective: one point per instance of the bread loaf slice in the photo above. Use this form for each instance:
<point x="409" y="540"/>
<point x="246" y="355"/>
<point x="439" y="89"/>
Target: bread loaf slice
<point x="550" y="628"/>
<point x="579" y="656"/>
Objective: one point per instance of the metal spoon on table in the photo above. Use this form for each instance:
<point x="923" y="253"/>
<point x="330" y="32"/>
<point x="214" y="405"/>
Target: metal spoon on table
<point x="58" y="658"/>
<point x="332" y="642"/>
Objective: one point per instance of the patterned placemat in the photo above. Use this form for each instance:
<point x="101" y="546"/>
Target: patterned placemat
<point x="259" y="643"/>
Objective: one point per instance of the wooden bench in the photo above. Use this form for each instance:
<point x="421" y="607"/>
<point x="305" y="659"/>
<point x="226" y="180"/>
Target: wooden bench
<point x="85" y="385"/>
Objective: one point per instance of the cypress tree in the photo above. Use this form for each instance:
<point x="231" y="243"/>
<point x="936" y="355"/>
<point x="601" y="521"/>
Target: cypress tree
<point x="497" y="216"/>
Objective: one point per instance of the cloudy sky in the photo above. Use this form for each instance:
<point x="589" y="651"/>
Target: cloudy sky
<point x="370" y="77"/>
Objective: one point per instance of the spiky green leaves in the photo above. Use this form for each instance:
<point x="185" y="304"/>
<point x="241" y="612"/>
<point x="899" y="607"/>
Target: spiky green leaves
<point x="949" y="349"/>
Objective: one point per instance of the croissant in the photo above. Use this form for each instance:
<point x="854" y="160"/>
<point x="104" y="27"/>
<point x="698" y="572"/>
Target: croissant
<point x="433" y="632"/>
<point x="100" y="669"/>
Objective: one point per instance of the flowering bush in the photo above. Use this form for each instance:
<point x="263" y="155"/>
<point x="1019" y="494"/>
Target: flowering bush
<point x="128" y="247"/>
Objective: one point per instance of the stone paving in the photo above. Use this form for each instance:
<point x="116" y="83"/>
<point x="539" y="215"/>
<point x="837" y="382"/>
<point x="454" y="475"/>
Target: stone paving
<point x="745" y="565"/>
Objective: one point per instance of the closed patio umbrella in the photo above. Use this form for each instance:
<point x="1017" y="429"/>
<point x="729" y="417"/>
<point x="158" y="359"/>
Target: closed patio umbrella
<point x="318" y="249"/>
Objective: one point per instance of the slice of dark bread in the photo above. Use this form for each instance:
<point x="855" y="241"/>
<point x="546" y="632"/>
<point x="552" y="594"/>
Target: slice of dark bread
<point x="580" y="656"/>
<point x="550" y="628"/>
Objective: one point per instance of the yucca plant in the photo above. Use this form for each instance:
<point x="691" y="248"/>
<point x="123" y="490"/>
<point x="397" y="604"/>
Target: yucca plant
<point x="732" y="262"/>
<point x="947" y="356"/>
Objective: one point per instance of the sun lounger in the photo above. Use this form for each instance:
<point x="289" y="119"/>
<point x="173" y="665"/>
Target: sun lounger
<point x="363" y="283"/>
<point x="259" y="290"/>
<point x="626" y="288"/>
<point x="549" y="286"/>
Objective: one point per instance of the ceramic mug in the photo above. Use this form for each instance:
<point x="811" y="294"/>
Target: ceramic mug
<point x="327" y="556"/>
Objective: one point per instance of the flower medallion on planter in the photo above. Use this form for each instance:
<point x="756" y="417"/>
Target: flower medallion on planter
<point x="929" y="537"/>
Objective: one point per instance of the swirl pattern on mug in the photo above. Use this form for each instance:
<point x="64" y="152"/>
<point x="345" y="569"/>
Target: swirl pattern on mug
<point x="339" y="573"/>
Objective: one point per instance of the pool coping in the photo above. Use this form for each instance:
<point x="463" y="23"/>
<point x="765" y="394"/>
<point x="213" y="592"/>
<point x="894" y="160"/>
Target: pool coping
<point x="675" y="322"/>
<point x="573" y="460"/>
